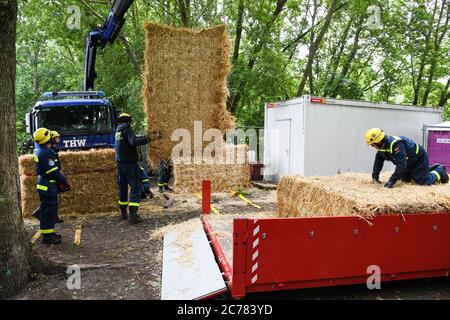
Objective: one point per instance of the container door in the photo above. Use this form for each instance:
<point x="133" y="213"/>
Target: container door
<point x="438" y="147"/>
<point x="284" y="159"/>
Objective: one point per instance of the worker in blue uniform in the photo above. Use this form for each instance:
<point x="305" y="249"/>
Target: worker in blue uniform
<point x="410" y="159"/>
<point x="55" y="140"/>
<point x="165" y="172"/>
<point x="126" y="144"/>
<point x="50" y="182"/>
<point x="145" y="180"/>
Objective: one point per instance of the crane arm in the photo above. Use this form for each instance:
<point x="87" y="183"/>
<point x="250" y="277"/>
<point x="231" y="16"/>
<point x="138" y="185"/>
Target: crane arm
<point x="101" y="36"/>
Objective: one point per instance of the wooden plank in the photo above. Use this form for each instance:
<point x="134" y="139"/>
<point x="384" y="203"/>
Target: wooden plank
<point x="189" y="267"/>
<point x="35" y="237"/>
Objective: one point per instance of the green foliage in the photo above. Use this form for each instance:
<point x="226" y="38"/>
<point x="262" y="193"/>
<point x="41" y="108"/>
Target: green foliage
<point x="406" y="59"/>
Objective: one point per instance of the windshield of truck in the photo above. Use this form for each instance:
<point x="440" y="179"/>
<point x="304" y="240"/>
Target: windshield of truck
<point x="76" y="119"/>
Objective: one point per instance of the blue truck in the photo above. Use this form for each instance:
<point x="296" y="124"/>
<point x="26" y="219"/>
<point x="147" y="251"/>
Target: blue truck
<point x="84" y="119"/>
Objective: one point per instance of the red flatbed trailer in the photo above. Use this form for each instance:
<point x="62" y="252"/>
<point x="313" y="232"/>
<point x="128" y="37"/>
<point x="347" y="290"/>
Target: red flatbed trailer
<point x="272" y="254"/>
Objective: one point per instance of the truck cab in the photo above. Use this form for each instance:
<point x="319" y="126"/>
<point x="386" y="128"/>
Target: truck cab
<point x="85" y="120"/>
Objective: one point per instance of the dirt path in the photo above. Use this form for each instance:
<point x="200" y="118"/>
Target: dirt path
<point x="125" y="261"/>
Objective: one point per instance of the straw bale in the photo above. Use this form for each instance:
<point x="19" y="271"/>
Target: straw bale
<point x="94" y="192"/>
<point x="26" y="165"/>
<point x="74" y="162"/>
<point x="354" y="194"/>
<point x="224" y="177"/>
<point x="93" y="177"/>
<point x="226" y="172"/>
<point x="29" y="205"/>
<point x="184" y="81"/>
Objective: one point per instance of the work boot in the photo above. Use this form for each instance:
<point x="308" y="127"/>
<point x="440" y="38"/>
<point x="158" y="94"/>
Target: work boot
<point x="167" y="188"/>
<point x="59" y="220"/>
<point x="134" y="217"/>
<point x="51" y="238"/>
<point x="434" y="167"/>
<point x="123" y="213"/>
<point x="444" y="178"/>
<point x="37" y="214"/>
<point x="161" y="189"/>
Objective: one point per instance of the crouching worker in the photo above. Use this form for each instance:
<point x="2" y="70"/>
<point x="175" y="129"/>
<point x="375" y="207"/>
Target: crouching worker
<point x="50" y="182"/>
<point x="410" y="159"/>
<point x="128" y="169"/>
<point x="145" y="180"/>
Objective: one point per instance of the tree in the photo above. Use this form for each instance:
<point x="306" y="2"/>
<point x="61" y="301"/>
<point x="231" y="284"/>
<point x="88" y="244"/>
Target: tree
<point x="315" y="46"/>
<point x="278" y="47"/>
<point x="15" y="250"/>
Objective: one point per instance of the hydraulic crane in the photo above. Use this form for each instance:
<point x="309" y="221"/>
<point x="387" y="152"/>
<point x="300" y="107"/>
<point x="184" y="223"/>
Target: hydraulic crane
<point x="85" y="119"/>
<point x="100" y="37"/>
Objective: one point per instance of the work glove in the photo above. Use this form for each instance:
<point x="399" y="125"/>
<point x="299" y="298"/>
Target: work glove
<point x="389" y="185"/>
<point x="64" y="187"/>
<point x="154" y="135"/>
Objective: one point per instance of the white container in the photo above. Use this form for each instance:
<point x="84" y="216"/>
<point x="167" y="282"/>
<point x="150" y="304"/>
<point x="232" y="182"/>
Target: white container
<point x="316" y="136"/>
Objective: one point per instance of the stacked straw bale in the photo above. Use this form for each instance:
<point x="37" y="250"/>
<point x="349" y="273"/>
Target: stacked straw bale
<point x="226" y="173"/>
<point x="185" y="81"/>
<point x="93" y="177"/>
<point x="356" y="195"/>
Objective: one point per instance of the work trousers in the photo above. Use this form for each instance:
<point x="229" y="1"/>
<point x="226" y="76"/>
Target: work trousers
<point x="164" y="174"/>
<point x="418" y="171"/>
<point x="48" y="209"/>
<point x="129" y="175"/>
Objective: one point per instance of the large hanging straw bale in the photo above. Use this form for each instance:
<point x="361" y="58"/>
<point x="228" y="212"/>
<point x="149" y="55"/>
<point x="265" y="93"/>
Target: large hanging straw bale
<point x="93" y="177"/>
<point x="356" y="195"/>
<point x="184" y="81"/>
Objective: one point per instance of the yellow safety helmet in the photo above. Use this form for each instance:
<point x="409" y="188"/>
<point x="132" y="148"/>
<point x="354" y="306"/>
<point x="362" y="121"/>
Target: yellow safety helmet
<point x="55" y="134"/>
<point x="42" y="135"/>
<point x="374" y="135"/>
<point x="123" y="116"/>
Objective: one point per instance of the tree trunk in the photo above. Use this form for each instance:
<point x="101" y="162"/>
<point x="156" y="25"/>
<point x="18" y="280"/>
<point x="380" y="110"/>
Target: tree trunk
<point x="131" y="55"/>
<point x="445" y="95"/>
<point x="237" y="41"/>
<point x="36" y="73"/>
<point x="336" y="58"/>
<point x="423" y="60"/>
<point x="346" y="66"/>
<point x="315" y="47"/>
<point x="15" y="249"/>
<point x="311" y="43"/>
<point x="183" y="6"/>
<point x="233" y="99"/>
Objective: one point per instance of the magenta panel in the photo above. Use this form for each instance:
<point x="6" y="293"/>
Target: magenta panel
<point x="439" y="147"/>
